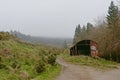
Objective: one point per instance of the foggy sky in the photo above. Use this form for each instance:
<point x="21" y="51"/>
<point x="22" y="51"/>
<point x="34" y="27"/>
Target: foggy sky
<point x="49" y="18"/>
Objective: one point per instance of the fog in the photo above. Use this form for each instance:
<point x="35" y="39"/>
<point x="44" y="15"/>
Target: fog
<point x="49" y="18"/>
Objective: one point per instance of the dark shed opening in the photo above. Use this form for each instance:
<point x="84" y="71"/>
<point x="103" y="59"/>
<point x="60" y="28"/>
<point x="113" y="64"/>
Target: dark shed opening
<point x="84" y="47"/>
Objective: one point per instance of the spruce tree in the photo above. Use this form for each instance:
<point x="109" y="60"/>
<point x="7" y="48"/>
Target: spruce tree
<point x="89" y="27"/>
<point x="77" y="34"/>
<point x="84" y="32"/>
<point x="113" y="20"/>
<point x="112" y="16"/>
<point x="113" y="35"/>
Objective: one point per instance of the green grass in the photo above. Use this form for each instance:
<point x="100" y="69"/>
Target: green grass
<point x="50" y="74"/>
<point x="89" y="61"/>
<point x="20" y="59"/>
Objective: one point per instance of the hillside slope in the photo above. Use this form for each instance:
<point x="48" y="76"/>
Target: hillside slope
<point x="24" y="61"/>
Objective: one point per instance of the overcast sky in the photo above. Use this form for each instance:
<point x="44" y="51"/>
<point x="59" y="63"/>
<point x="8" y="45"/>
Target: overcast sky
<point x="49" y="18"/>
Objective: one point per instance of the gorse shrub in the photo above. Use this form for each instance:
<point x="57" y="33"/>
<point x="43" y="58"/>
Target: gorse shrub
<point x="5" y="36"/>
<point x="1" y="64"/>
<point x="52" y="59"/>
<point x="40" y="66"/>
<point x="14" y="65"/>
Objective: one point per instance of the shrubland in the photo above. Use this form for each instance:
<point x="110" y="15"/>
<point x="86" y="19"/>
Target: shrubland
<point x="25" y="61"/>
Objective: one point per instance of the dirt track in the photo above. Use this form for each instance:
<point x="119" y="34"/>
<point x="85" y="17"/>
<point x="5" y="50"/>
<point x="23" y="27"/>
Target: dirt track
<point x="74" y="72"/>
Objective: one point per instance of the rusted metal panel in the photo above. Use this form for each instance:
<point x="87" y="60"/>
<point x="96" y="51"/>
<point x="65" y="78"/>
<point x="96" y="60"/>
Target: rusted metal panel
<point x="94" y="49"/>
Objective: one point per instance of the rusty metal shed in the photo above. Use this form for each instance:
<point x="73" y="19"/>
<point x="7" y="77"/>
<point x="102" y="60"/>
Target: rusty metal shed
<point x="84" y="47"/>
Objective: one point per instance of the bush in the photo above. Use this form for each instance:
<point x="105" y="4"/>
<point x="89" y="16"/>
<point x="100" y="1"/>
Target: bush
<point x="5" y="36"/>
<point x="1" y="64"/>
<point x="40" y="67"/>
<point x="52" y="59"/>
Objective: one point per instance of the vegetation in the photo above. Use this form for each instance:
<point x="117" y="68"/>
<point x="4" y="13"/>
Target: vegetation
<point x="5" y="36"/>
<point x="89" y="61"/>
<point x="105" y="33"/>
<point x="81" y="33"/>
<point x="24" y="61"/>
<point x="52" y="59"/>
<point x="50" y="73"/>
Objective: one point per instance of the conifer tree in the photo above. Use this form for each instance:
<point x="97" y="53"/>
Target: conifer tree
<point x="113" y="35"/>
<point x="89" y="27"/>
<point x="113" y="21"/>
<point x="77" y="34"/>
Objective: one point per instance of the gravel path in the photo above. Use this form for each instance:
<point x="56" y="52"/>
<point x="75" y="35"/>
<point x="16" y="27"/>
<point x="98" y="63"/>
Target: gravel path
<point x="75" y="72"/>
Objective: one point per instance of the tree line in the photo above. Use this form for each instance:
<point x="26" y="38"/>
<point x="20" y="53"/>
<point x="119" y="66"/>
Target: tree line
<point x="106" y="33"/>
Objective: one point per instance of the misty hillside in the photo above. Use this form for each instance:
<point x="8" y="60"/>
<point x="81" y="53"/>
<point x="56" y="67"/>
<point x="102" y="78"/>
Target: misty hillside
<point x="57" y="42"/>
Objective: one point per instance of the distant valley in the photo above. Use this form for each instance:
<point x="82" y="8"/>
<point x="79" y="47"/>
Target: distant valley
<point x="56" y="42"/>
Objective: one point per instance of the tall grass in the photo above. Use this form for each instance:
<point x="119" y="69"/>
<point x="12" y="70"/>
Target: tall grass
<point x="25" y="61"/>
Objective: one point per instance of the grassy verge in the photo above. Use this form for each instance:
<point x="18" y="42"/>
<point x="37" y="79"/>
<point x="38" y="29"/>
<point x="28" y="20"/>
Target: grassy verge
<point x="50" y="74"/>
<point x="89" y="61"/>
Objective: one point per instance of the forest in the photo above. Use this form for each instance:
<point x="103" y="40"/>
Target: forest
<point x="105" y="32"/>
